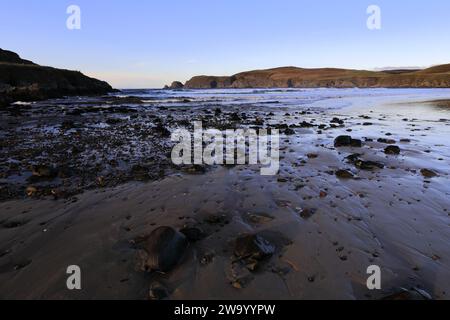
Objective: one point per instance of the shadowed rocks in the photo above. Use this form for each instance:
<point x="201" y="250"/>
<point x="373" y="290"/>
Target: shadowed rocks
<point x="427" y="173"/>
<point x="347" y="141"/>
<point x="392" y="150"/>
<point x="252" y="248"/>
<point x="162" y="250"/>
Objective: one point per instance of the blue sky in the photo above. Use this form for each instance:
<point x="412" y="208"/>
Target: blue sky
<point x="139" y="44"/>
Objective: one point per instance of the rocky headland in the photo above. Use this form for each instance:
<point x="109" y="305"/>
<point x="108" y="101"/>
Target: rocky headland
<point x="293" y="77"/>
<point x="23" y="80"/>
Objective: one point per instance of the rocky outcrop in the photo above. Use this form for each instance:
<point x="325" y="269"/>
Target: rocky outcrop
<point x="176" y="85"/>
<point x="22" y="80"/>
<point x="292" y="77"/>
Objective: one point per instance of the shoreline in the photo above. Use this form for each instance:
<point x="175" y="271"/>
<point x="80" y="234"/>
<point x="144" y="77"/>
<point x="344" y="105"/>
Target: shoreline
<point x="326" y="229"/>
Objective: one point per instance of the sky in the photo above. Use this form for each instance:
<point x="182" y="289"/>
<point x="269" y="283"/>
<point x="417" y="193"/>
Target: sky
<point x="146" y="44"/>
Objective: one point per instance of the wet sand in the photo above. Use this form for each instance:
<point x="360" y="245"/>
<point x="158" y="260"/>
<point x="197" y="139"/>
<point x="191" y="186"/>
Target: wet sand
<point x="326" y="230"/>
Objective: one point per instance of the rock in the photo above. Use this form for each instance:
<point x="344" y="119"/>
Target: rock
<point x="235" y="117"/>
<point x="353" y="157"/>
<point x="176" y="85"/>
<point x="289" y="132"/>
<point x="386" y="141"/>
<point x="412" y="294"/>
<point x="305" y="124"/>
<point x="344" y="174"/>
<point x="393" y="150"/>
<point x="347" y="141"/>
<point x="240" y="276"/>
<point x="253" y="246"/>
<point x="307" y="213"/>
<point x="158" y="291"/>
<point x="368" y="165"/>
<point x="337" y="120"/>
<point x="193" y="233"/>
<point x="31" y="191"/>
<point x="428" y="173"/>
<point x="164" y="248"/>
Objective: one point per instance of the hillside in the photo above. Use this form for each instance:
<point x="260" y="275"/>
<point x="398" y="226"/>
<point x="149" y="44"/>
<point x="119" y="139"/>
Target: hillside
<point x="25" y="81"/>
<point x="293" y="77"/>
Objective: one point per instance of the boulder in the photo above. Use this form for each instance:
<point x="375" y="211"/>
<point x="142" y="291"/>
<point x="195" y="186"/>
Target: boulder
<point x="163" y="249"/>
<point x="392" y="150"/>
<point x="344" y="174"/>
<point x="427" y="173"/>
<point x="347" y="141"/>
<point x="253" y="246"/>
<point x="368" y="165"/>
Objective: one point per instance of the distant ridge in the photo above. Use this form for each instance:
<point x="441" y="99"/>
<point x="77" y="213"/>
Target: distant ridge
<point x="26" y="81"/>
<point x="293" y="77"/>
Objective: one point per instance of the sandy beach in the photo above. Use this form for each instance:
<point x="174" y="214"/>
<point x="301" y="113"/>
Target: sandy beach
<point x="331" y="212"/>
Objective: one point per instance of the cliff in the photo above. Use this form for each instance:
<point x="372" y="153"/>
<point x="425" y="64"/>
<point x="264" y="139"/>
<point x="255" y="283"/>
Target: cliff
<point x="25" y="81"/>
<point x="292" y="77"/>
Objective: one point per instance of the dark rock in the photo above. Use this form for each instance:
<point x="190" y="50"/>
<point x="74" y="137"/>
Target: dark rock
<point x="386" y="141"/>
<point x="305" y="124"/>
<point x="193" y="233"/>
<point x="353" y="157"/>
<point x="289" y="132"/>
<point x="158" y="291"/>
<point x="253" y="246"/>
<point x="307" y="213"/>
<point x="393" y="150"/>
<point x="428" y="173"/>
<point x="347" y="141"/>
<point x="337" y="120"/>
<point x="235" y="117"/>
<point x="342" y="141"/>
<point x="368" y="165"/>
<point x="344" y="174"/>
<point x="163" y="249"/>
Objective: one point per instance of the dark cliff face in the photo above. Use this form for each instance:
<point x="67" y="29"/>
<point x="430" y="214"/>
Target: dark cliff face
<point x="291" y="77"/>
<point x="25" y="81"/>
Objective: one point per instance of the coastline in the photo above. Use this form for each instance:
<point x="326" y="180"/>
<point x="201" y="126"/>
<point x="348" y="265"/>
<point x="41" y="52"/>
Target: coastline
<point x="327" y="230"/>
